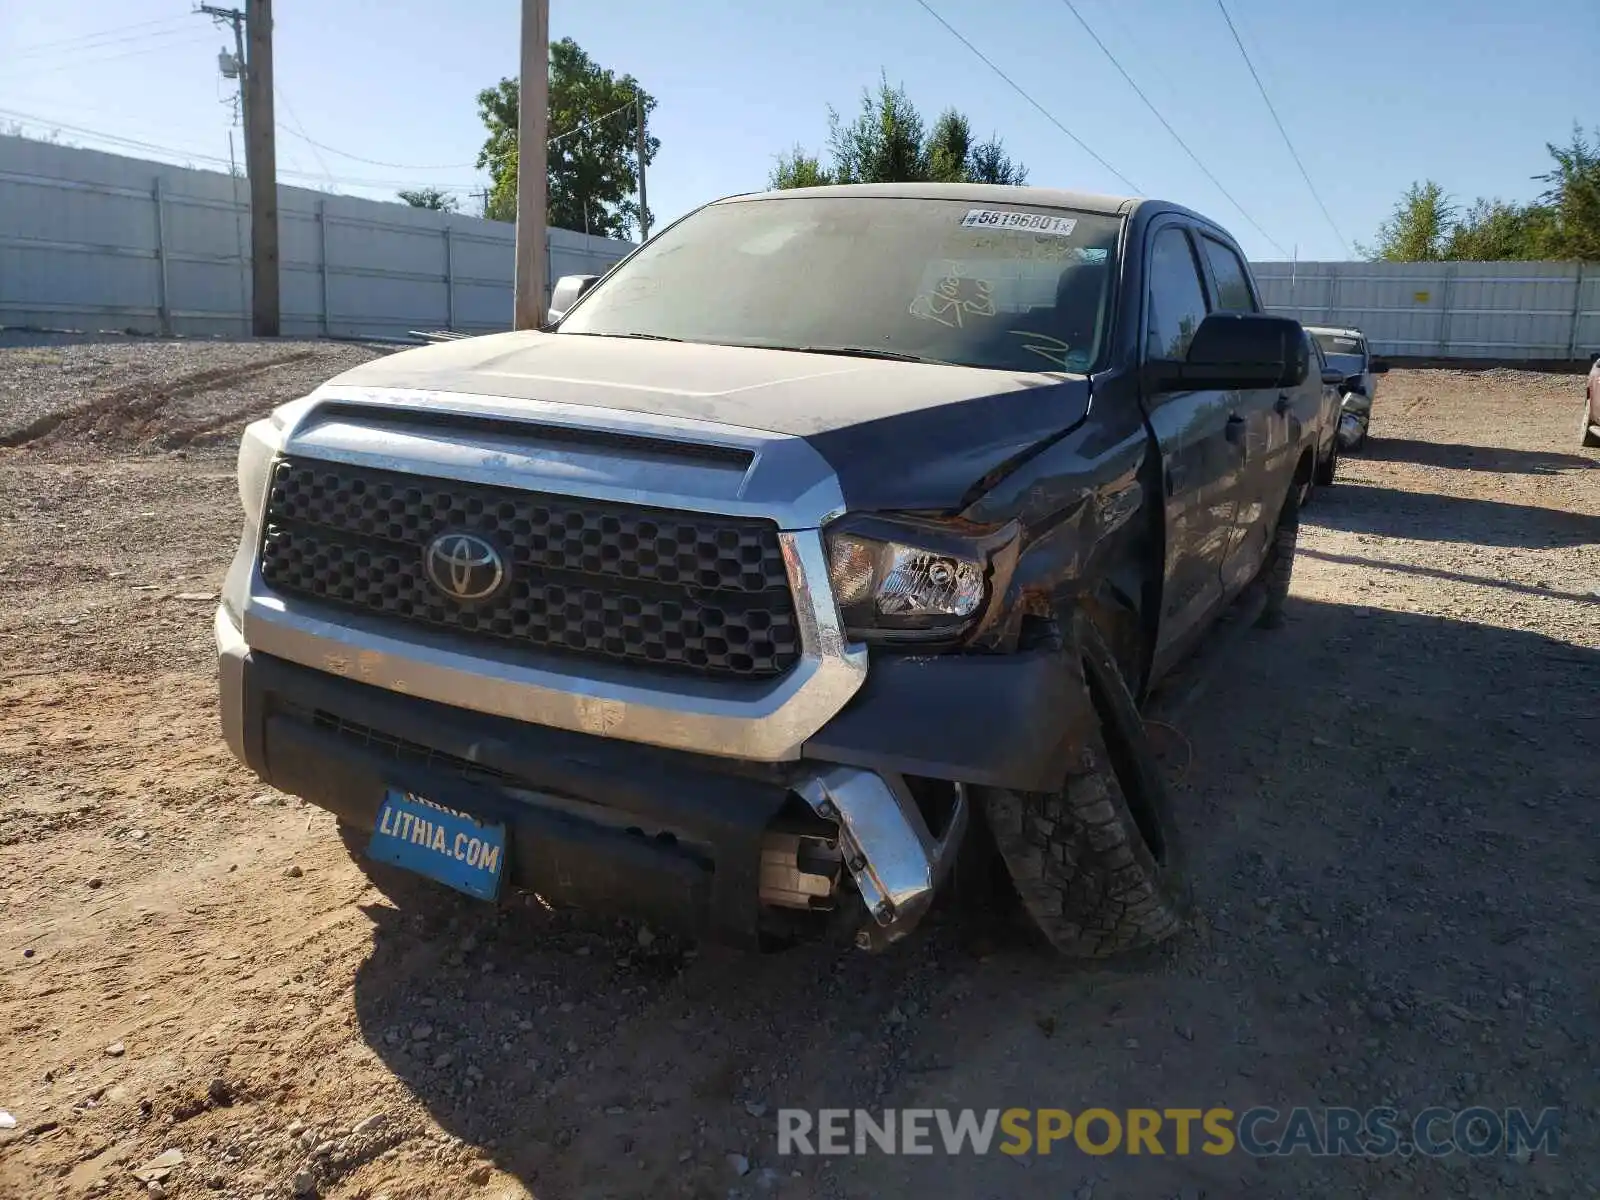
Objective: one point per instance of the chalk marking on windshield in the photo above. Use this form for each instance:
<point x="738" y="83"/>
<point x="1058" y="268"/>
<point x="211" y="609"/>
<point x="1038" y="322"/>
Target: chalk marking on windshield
<point x="945" y="303"/>
<point x="1056" y="353"/>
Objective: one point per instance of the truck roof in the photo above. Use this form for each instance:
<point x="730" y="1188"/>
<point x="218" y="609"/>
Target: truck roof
<point x="1337" y="332"/>
<point x="989" y="193"/>
<point x="992" y="193"/>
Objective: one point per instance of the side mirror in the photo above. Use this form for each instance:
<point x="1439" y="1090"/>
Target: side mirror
<point x="1236" y="351"/>
<point x="1333" y="377"/>
<point x="568" y="291"/>
<point x="1378" y="367"/>
<point x="1354" y="383"/>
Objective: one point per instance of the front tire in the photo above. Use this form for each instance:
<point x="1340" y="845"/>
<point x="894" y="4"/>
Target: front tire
<point x="1097" y="864"/>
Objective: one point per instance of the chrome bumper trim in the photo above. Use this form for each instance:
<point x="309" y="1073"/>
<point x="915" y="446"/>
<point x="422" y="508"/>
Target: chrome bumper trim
<point x="897" y="864"/>
<point x="231" y="653"/>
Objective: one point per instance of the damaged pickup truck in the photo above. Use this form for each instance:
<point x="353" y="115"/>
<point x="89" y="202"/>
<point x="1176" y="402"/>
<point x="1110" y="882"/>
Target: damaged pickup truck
<point x="825" y="527"/>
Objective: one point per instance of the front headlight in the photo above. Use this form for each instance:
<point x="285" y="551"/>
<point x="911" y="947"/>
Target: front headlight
<point x="259" y="449"/>
<point x="912" y="580"/>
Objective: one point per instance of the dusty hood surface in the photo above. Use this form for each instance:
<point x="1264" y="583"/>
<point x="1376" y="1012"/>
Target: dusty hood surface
<point x="900" y="435"/>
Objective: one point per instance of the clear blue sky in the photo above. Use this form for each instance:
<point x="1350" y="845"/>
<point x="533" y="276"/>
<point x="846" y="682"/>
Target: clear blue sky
<point x="1375" y="93"/>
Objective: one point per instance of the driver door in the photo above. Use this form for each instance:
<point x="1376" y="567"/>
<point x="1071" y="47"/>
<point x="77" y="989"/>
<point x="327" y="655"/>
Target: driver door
<point x="1199" y="435"/>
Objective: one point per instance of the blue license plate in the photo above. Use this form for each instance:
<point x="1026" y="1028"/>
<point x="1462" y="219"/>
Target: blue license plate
<point x="452" y="847"/>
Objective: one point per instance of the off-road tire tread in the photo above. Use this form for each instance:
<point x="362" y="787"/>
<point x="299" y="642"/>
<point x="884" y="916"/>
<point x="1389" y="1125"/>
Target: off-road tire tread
<point x="1078" y="861"/>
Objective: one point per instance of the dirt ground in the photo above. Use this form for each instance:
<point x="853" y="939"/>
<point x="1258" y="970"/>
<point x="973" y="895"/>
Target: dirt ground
<point x="1390" y="806"/>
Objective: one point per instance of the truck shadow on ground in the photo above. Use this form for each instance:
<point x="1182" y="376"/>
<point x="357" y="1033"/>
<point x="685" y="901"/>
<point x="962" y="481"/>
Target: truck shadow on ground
<point x="1427" y="516"/>
<point x="1497" y="459"/>
<point x="1356" y="802"/>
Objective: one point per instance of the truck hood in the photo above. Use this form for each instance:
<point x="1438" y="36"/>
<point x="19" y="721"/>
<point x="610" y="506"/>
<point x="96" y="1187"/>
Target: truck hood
<point x="900" y="435"/>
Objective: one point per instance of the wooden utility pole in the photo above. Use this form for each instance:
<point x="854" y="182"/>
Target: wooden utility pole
<point x="644" y="209"/>
<point x="533" y="121"/>
<point x="261" y="163"/>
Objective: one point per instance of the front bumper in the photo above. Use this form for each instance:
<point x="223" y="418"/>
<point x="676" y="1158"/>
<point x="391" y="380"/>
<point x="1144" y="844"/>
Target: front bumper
<point x="676" y="837"/>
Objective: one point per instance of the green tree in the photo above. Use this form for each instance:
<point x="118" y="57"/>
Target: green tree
<point x="593" y="169"/>
<point x="1418" y="228"/>
<point x="1574" y="198"/>
<point x="989" y="163"/>
<point x="433" y="198"/>
<point x="1562" y="223"/>
<point x="949" y="146"/>
<point x="797" y="169"/>
<point x="888" y="142"/>
<point x="884" y="144"/>
<point x="1493" y="231"/>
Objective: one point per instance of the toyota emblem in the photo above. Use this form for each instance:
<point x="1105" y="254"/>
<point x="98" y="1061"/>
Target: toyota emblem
<point x="463" y="566"/>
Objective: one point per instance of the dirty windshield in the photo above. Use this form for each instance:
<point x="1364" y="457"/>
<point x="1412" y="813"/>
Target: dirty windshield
<point x="1014" y="287"/>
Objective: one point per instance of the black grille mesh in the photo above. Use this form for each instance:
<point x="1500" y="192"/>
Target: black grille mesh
<point x="681" y="590"/>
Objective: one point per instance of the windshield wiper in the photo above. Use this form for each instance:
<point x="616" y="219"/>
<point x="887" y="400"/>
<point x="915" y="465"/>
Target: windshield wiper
<point x="643" y="337"/>
<point x="860" y="352"/>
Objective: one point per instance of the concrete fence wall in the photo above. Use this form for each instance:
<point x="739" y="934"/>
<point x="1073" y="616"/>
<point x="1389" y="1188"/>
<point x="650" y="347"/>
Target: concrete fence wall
<point x="97" y="241"/>
<point x="1510" y="310"/>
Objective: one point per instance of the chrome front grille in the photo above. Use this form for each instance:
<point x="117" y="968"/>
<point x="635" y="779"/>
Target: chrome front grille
<point x="679" y="591"/>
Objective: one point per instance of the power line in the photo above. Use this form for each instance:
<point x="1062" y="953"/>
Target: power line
<point x="85" y="47"/>
<point x="295" y="117"/>
<point x="1167" y="125"/>
<point x="560" y="137"/>
<point x="199" y="156"/>
<point x="299" y="132"/>
<point x="1016" y="87"/>
<point x="101" y="35"/>
<point x="373" y="162"/>
<point x="182" y="43"/>
<point x="1292" y="154"/>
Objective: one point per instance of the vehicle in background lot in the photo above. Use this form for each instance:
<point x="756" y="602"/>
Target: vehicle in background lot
<point x="1590" y="426"/>
<point x="825" y="522"/>
<point x="1346" y="350"/>
<point x="1327" y="381"/>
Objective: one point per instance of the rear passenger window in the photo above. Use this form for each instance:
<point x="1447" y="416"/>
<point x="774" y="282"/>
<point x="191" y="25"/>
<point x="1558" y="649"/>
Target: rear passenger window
<point x="1177" y="302"/>
<point x="1233" y="286"/>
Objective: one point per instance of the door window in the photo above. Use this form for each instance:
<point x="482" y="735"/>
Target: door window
<point x="1233" y="285"/>
<point x="1177" y="302"/>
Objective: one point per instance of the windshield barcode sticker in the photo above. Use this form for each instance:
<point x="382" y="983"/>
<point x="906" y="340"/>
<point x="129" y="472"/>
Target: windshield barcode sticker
<point x="993" y="218"/>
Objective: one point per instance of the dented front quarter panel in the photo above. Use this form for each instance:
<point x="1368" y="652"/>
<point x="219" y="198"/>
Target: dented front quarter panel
<point x="1083" y="504"/>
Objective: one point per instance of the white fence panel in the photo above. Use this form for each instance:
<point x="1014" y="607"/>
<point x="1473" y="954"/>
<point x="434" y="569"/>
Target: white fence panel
<point x="1511" y="310"/>
<point x="98" y="241"/>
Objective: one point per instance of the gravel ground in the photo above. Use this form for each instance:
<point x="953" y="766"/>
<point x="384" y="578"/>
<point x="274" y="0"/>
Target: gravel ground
<point x="1390" y="804"/>
<point x="120" y="391"/>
